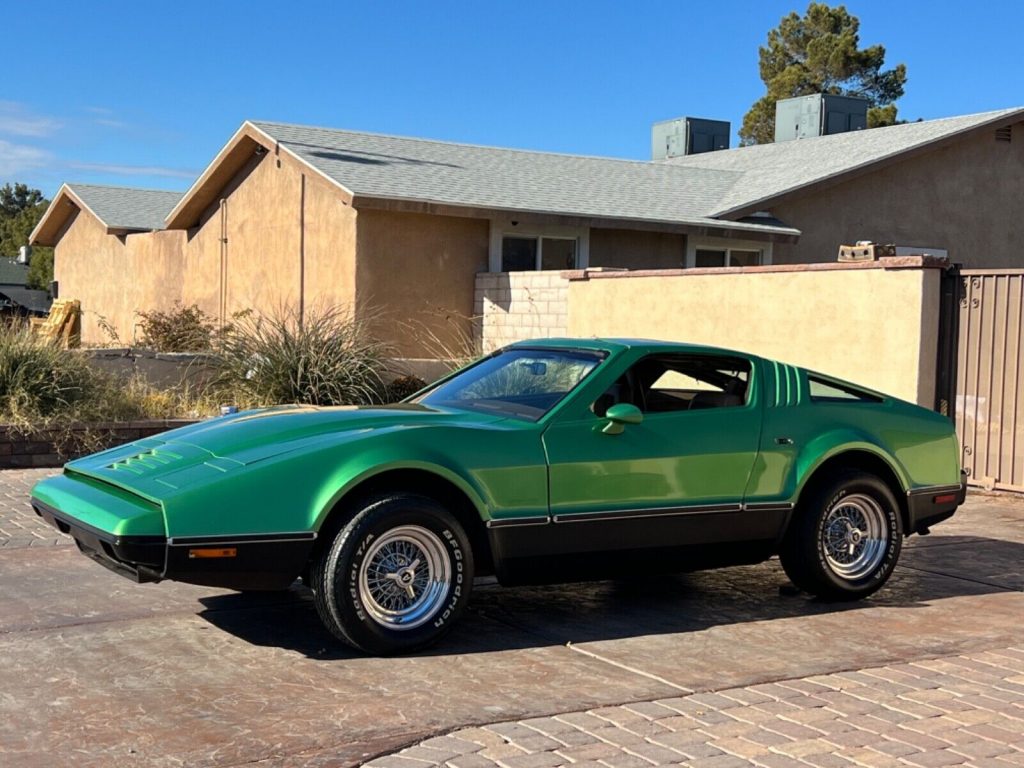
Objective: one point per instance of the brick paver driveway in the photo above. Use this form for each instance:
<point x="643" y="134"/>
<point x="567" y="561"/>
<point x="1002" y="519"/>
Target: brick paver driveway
<point x="709" y="669"/>
<point x="18" y="526"/>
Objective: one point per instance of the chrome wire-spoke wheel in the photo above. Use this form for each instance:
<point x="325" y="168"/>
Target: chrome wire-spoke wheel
<point x="855" y="537"/>
<point x="405" y="577"/>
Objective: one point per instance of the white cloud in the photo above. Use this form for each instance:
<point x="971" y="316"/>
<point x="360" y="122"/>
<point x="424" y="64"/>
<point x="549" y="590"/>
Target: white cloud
<point x="135" y="170"/>
<point x="107" y="122"/>
<point x="16" y="120"/>
<point x="16" y="159"/>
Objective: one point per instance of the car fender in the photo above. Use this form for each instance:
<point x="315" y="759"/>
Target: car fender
<point x="351" y="474"/>
<point x="835" y="442"/>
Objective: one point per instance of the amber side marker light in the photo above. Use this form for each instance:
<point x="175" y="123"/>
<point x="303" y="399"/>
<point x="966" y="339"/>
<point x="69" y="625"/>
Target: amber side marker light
<point x="210" y="553"/>
<point x="946" y="498"/>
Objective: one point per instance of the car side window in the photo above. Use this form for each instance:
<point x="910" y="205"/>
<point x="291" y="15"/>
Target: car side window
<point x="670" y="383"/>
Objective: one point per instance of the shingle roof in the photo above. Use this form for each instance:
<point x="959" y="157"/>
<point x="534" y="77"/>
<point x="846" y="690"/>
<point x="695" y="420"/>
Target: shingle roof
<point x="400" y="168"/>
<point x="37" y="302"/>
<point x="125" y="207"/>
<point x="769" y="170"/>
<point x="13" y="273"/>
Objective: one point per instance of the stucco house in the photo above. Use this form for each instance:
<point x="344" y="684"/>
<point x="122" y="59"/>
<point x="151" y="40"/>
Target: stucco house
<point x="308" y="215"/>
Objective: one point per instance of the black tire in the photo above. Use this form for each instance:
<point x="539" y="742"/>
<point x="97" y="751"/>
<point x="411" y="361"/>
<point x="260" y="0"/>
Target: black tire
<point x="814" y="551"/>
<point x="371" y="595"/>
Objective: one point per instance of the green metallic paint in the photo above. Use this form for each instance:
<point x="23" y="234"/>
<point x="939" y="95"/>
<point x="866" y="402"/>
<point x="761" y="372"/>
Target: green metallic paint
<point x="102" y="507"/>
<point x="284" y="469"/>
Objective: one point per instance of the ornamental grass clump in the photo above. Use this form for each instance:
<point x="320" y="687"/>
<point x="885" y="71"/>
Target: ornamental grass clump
<point x="325" y="356"/>
<point x="39" y="380"/>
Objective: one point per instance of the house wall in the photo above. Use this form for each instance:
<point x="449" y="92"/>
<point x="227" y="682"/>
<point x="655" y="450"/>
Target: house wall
<point x="285" y="230"/>
<point x="114" y="277"/>
<point x="630" y="249"/>
<point x="415" y="272"/>
<point x="261" y="217"/>
<point x="870" y="325"/>
<point x="965" y="198"/>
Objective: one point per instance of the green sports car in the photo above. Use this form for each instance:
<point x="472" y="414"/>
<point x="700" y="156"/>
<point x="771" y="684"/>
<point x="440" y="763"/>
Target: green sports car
<point x="554" y="460"/>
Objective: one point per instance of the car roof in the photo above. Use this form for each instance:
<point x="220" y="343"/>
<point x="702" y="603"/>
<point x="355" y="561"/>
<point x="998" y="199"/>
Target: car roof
<point x="612" y="344"/>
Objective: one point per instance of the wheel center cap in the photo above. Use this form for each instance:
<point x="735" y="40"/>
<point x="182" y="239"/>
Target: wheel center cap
<point x="406" y="575"/>
<point x="854" y="536"/>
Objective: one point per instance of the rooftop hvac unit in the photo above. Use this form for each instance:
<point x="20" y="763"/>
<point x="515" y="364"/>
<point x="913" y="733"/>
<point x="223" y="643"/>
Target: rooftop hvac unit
<point x="688" y="136"/>
<point x="820" y="114"/>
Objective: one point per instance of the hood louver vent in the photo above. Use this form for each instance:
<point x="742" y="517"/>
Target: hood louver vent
<point x="152" y="459"/>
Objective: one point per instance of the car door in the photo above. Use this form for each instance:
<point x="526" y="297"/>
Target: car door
<point x="680" y="474"/>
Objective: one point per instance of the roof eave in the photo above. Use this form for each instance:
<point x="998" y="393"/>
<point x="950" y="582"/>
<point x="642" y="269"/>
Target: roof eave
<point x="705" y="226"/>
<point x="855" y="171"/>
<point x="52" y="225"/>
<point x="246" y="141"/>
<point x="232" y="156"/>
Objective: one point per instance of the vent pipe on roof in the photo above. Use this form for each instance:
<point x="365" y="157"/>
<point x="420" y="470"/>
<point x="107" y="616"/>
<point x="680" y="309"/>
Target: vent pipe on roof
<point x="820" y="114"/>
<point x="24" y="254"/>
<point x="688" y="136"/>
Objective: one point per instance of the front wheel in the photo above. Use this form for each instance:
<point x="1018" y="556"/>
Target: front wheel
<point x="845" y="538"/>
<point x="396" y="577"/>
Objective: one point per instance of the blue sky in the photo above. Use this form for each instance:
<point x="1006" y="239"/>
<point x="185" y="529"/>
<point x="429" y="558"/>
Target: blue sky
<point x="144" y="94"/>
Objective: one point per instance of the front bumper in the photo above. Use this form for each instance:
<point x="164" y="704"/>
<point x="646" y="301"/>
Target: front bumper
<point x="139" y="558"/>
<point x="255" y="562"/>
<point x="928" y="506"/>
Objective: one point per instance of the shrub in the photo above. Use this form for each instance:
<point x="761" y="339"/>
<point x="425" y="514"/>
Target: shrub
<point x="181" y="329"/>
<point x="326" y="357"/>
<point x="403" y="387"/>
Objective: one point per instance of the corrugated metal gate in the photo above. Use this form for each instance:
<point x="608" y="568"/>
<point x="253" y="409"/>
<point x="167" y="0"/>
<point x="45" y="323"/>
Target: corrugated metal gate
<point x="990" y="359"/>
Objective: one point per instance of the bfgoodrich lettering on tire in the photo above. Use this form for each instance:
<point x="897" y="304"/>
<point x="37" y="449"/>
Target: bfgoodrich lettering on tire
<point x="846" y="538"/>
<point x="396" y="577"/>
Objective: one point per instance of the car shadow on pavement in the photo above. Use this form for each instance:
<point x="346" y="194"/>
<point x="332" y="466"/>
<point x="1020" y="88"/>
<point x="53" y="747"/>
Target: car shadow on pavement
<point x="530" y="617"/>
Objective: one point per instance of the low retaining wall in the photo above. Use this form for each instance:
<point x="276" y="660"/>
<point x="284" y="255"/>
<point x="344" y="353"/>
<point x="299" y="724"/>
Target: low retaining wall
<point x="164" y="370"/>
<point x="515" y="306"/>
<point x="53" y="447"/>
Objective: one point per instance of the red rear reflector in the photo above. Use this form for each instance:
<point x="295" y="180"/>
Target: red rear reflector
<point x="222" y="552"/>
<point x="946" y="498"/>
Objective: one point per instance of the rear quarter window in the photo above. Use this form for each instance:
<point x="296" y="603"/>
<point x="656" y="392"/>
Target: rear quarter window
<point x="823" y="391"/>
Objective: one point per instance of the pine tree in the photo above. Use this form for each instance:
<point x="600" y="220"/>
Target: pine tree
<point x="819" y="53"/>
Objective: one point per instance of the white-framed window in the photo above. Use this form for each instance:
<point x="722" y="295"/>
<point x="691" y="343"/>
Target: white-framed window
<point x="518" y="246"/>
<point x="722" y="252"/>
<point x="521" y="253"/>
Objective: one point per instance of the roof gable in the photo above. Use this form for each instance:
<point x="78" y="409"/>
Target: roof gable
<point x="118" y="209"/>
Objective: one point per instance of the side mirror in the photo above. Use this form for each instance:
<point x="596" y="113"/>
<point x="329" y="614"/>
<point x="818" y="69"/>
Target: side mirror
<point x="619" y="415"/>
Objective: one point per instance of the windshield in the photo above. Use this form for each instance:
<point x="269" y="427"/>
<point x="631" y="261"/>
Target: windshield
<point x="520" y="382"/>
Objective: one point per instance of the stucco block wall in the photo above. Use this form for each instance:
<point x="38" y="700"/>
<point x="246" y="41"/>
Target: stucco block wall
<point x="516" y="306"/>
<point x="965" y="198"/>
<point x="631" y="249"/>
<point x="415" y="272"/>
<point x="876" y="327"/>
<point x="113" y="277"/>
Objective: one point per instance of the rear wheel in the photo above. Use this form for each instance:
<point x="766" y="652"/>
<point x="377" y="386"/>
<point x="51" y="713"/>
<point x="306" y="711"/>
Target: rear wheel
<point x="396" y="577"/>
<point x="846" y="538"/>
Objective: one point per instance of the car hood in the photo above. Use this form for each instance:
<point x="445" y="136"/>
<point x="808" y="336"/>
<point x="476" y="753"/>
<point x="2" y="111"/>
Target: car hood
<point x="155" y="466"/>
